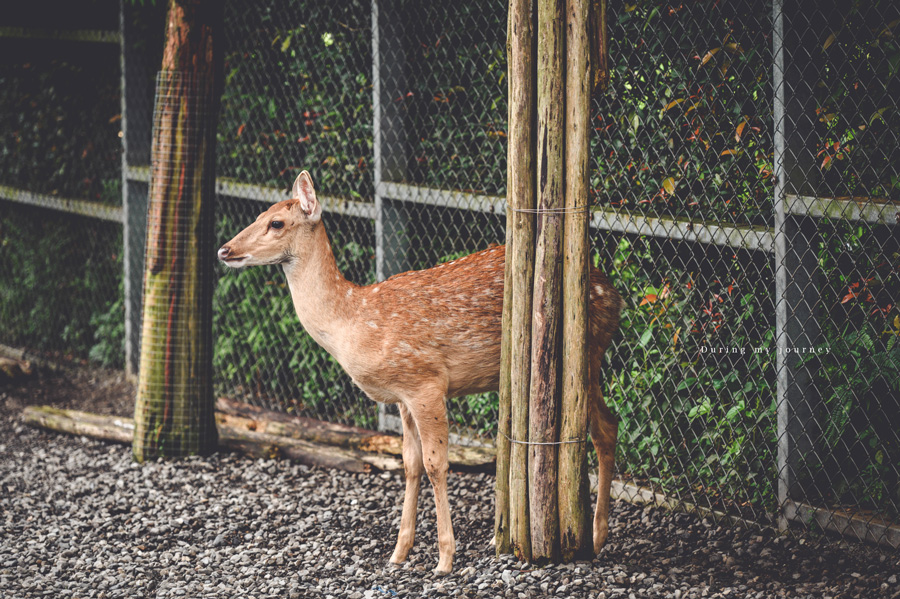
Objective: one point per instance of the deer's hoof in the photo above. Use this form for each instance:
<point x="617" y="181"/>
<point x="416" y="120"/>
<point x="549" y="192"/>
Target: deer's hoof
<point x="398" y="556"/>
<point x="440" y="572"/>
<point x="601" y="532"/>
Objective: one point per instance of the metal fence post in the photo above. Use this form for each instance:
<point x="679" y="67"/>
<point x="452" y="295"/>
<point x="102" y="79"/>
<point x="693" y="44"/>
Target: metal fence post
<point x="137" y="117"/>
<point x="796" y="272"/>
<point x="390" y="153"/>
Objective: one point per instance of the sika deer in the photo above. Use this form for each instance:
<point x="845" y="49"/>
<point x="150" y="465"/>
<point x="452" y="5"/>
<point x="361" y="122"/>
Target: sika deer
<point x="415" y="340"/>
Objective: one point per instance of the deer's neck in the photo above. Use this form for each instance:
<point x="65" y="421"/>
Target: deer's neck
<point x="323" y="299"/>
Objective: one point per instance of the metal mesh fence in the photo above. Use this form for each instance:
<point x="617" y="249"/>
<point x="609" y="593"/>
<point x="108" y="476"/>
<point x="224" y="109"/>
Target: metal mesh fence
<point x="682" y="153"/>
<point x="836" y="117"/>
<point x="745" y="187"/>
<point x="60" y="181"/>
<point x="297" y="96"/>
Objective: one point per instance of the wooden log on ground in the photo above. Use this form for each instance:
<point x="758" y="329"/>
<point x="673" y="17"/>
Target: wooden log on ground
<point x="298" y="427"/>
<point x="13" y="370"/>
<point x="267" y="435"/>
<point x="73" y="422"/>
<point x="264" y="445"/>
<point x="244" y="416"/>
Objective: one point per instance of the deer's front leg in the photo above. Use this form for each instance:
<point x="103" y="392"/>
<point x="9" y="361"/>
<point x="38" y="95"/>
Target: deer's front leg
<point x="431" y="420"/>
<point x="412" y="465"/>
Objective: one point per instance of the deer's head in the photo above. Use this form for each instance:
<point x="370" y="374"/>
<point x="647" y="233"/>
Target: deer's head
<point x="281" y="234"/>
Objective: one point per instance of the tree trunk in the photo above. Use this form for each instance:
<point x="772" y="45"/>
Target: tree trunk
<point x="174" y="409"/>
<point x="575" y="541"/>
<point x="520" y="259"/>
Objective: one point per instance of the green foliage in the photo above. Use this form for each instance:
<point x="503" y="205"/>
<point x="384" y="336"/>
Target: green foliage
<point x="58" y="285"/>
<point x="456" y="102"/>
<point x="856" y="370"/>
<point x="693" y="379"/>
<point x="109" y="332"/>
<point x="860" y="445"/>
<point x="47" y="99"/>
<point x="298" y="95"/>
<point x="856" y="101"/>
<point x="685" y="128"/>
<point x="476" y="414"/>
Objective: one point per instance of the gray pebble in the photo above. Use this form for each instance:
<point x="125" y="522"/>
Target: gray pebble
<point x="79" y="519"/>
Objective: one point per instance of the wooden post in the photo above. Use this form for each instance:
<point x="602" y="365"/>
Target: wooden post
<point x="511" y="518"/>
<point x="174" y="409"/>
<point x="544" y="403"/>
<point x="575" y="541"/>
<point x="504" y="421"/>
<point x="520" y="258"/>
<point x="547" y="176"/>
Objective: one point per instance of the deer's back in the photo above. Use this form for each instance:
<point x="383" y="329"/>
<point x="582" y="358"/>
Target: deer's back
<point x="444" y="323"/>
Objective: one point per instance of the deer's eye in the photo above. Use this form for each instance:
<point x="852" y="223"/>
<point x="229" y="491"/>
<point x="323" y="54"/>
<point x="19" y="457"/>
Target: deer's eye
<point x="277" y="224"/>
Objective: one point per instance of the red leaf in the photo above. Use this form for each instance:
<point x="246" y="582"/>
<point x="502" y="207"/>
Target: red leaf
<point x="648" y="299"/>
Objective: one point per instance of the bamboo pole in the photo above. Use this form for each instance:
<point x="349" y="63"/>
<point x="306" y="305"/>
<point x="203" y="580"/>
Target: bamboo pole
<point x="520" y="258"/>
<point x="543" y="414"/>
<point x="575" y="540"/>
<point x="174" y="407"/>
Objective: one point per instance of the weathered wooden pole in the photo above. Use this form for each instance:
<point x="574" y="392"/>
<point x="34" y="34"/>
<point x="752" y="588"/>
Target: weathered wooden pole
<point x="504" y="415"/>
<point x="575" y="538"/>
<point x="542" y="492"/>
<point x="174" y="410"/>
<point x="520" y="261"/>
<point x="544" y="404"/>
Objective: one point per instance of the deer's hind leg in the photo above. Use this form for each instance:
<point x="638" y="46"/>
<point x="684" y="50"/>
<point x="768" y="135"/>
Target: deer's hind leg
<point x="604" y="427"/>
<point x="414" y="468"/>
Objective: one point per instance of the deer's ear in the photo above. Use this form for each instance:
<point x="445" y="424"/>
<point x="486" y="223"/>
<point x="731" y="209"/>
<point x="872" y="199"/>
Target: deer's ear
<point x="305" y="192"/>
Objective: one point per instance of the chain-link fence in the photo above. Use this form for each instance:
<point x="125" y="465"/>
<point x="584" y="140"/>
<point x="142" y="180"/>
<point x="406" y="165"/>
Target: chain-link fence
<point x="746" y="192"/>
<point x="60" y="181"/>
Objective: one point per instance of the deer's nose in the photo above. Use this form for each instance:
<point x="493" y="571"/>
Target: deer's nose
<point x="224" y="252"/>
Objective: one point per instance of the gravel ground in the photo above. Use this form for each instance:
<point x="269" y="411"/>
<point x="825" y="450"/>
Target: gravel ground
<point x="79" y="519"/>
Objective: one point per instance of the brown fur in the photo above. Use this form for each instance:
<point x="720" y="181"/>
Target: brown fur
<point x="417" y="339"/>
